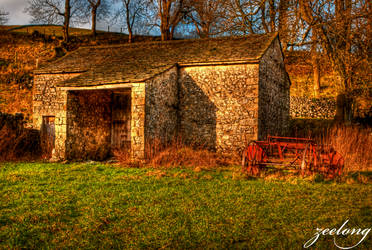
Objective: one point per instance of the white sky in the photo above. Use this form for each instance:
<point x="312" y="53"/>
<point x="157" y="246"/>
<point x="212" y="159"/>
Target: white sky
<point x="18" y="17"/>
<point x="15" y="9"/>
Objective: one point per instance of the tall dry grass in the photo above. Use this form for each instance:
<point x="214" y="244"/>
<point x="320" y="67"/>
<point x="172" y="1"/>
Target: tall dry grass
<point x="354" y="144"/>
<point x="177" y="154"/>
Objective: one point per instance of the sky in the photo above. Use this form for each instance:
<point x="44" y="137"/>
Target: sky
<point x="15" y="9"/>
<point x="17" y="16"/>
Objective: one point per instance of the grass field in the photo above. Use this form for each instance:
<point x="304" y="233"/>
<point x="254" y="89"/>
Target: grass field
<point x="104" y="206"/>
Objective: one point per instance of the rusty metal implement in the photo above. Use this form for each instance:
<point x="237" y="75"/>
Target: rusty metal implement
<point x="290" y="153"/>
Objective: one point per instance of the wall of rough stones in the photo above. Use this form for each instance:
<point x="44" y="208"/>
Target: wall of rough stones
<point x="273" y="93"/>
<point x="48" y="100"/>
<point x="138" y="95"/>
<point x="162" y="106"/>
<point x="218" y="105"/>
<point x="88" y="124"/>
<point x="305" y="107"/>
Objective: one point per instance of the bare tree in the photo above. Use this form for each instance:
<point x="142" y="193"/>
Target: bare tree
<point x="55" y="12"/>
<point x="94" y="4"/>
<point x="342" y="28"/>
<point x="255" y="16"/>
<point x="170" y="13"/>
<point x="206" y="16"/>
<point x="3" y="17"/>
<point x="132" y="12"/>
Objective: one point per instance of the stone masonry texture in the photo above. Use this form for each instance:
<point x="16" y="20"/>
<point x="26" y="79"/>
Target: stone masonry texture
<point x="218" y="105"/>
<point x="273" y="98"/>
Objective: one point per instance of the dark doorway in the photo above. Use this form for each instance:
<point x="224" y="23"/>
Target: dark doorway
<point x="121" y="118"/>
<point x="48" y="135"/>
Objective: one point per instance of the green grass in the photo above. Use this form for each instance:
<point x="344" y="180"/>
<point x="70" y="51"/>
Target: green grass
<point x="104" y="206"/>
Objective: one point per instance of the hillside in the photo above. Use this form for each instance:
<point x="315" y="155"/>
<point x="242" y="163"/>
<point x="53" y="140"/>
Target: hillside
<point x="22" y="48"/>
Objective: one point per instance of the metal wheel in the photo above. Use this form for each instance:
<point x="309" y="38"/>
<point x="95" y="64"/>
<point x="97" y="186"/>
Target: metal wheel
<point x="333" y="163"/>
<point x="251" y="158"/>
<point x="310" y="160"/>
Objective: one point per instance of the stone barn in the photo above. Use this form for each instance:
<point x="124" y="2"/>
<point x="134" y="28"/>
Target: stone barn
<point x="218" y="93"/>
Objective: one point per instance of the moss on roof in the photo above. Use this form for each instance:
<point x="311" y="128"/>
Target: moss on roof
<point x="140" y="61"/>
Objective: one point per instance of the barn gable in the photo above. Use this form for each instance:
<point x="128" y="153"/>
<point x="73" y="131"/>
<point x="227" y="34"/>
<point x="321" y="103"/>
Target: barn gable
<point x="213" y="92"/>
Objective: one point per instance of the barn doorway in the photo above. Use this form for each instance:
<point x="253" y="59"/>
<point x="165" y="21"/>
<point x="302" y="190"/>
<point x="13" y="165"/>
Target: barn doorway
<point x="121" y="119"/>
<point x="48" y="135"/>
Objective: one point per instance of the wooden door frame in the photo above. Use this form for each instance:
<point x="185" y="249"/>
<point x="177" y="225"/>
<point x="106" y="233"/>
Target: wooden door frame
<point x="126" y="92"/>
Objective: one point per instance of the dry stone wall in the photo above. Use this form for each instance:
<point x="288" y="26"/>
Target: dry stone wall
<point x="273" y="93"/>
<point x="218" y="105"/>
<point x="48" y="100"/>
<point x="162" y="106"/>
<point x="88" y="125"/>
<point x="138" y="101"/>
<point x="305" y="107"/>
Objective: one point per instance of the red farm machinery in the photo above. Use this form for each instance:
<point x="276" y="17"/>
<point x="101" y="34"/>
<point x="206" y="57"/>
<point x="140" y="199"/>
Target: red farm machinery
<point x="290" y="153"/>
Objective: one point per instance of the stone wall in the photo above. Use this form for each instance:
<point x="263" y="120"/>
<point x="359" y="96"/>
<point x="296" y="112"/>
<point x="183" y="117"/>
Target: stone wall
<point x="305" y="107"/>
<point x="218" y="105"/>
<point x="138" y="101"/>
<point x="273" y="93"/>
<point x="88" y="124"/>
<point x="161" y="106"/>
<point x="48" y="100"/>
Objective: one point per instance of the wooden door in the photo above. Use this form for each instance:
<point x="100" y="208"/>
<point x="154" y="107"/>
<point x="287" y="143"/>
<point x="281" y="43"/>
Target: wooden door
<point x="121" y="118"/>
<point x="48" y="135"/>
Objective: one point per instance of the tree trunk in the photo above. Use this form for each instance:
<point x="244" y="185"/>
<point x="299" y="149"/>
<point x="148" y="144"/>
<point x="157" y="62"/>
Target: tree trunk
<point x="129" y="26"/>
<point x="316" y="75"/>
<point x="164" y="28"/>
<point x="66" y="23"/>
<point x="130" y="35"/>
<point x="272" y="15"/>
<point x="283" y="23"/>
<point x="344" y="107"/>
<point x="94" y="20"/>
<point x="263" y="17"/>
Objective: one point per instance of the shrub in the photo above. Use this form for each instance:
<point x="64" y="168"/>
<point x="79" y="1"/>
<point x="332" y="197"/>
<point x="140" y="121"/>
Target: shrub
<point x="19" y="144"/>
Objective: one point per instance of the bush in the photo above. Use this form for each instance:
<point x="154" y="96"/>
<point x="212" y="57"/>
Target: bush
<point x="16" y="141"/>
<point x="19" y="144"/>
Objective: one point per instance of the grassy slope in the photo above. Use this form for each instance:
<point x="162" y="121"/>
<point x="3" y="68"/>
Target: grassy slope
<point x="91" y="206"/>
<point x="18" y="55"/>
<point x="19" y="50"/>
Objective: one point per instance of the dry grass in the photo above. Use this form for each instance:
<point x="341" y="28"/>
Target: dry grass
<point x="354" y="143"/>
<point x="175" y="154"/>
<point x="18" y="144"/>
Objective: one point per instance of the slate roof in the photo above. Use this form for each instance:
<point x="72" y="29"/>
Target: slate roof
<point x="138" y="62"/>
